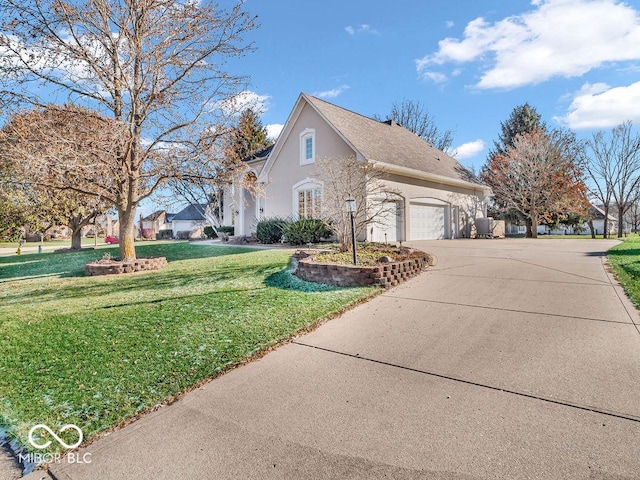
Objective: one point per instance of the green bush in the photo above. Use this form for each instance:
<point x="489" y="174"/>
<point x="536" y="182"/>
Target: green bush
<point x="228" y="229"/>
<point x="270" y="230"/>
<point x="210" y="232"/>
<point x="305" y="230"/>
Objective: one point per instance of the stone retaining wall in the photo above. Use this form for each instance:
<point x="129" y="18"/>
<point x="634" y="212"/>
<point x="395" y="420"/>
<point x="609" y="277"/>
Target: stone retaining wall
<point x="115" y="267"/>
<point x="384" y="275"/>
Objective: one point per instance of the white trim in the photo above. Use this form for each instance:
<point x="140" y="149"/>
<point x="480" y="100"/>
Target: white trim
<point x="306" y="134"/>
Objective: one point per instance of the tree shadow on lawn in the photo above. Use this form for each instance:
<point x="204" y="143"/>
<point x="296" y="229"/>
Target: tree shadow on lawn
<point x="286" y="280"/>
<point x="34" y="265"/>
<point x="157" y="285"/>
<point x="628" y="252"/>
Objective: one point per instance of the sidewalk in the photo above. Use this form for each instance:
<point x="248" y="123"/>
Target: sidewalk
<point x="511" y="359"/>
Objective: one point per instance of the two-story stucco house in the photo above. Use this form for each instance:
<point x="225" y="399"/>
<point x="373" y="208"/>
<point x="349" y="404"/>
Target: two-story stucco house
<point x="436" y="197"/>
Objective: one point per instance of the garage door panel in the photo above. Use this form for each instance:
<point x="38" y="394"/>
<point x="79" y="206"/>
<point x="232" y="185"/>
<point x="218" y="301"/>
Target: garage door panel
<point x="427" y="221"/>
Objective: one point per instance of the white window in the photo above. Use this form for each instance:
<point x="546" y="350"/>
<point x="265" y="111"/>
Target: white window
<point x="307" y="146"/>
<point x="307" y="199"/>
<point x="309" y="203"/>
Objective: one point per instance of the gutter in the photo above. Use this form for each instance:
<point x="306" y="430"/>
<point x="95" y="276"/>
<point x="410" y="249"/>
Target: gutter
<point x="432" y="177"/>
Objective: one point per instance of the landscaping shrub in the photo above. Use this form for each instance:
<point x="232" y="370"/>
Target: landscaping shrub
<point x="209" y="232"/>
<point x="228" y="229"/>
<point x="305" y="230"/>
<point x="270" y="230"/>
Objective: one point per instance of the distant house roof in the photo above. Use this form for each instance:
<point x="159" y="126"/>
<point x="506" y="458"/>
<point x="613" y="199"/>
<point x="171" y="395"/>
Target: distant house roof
<point x="170" y="217"/>
<point x="154" y="216"/>
<point x="260" y="154"/>
<point x="596" y="212"/>
<point x="192" y="212"/>
<point x="390" y="143"/>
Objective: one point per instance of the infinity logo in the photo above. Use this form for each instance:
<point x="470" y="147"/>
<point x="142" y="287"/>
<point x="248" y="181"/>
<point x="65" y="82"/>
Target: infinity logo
<point x="60" y="441"/>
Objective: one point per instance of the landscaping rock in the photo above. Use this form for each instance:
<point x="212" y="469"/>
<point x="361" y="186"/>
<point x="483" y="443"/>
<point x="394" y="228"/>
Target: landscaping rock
<point x="9" y="468"/>
<point x="116" y="267"/>
<point x="388" y="275"/>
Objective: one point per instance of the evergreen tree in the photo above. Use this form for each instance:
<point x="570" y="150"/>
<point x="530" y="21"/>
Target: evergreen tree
<point x="523" y="119"/>
<point x="247" y="137"/>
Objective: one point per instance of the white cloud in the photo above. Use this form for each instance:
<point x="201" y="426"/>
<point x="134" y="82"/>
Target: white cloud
<point x="557" y="38"/>
<point x="449" y="24"/>
<point x="243" y="100"/>
<point x="601" y="106"/>
<point x="331" y="93"/>
<point x="435" y="77"/>
<point x="274" y="129"/>
<point x="468" y="150"/>
<point x="363" y="28"/>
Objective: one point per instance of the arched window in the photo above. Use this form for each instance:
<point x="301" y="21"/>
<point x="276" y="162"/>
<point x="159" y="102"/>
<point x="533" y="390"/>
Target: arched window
<point x="307" y="146"/>
<point x="307" y="199"/>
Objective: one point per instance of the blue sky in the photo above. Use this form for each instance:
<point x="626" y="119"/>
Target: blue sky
<point x="470" y="62"/>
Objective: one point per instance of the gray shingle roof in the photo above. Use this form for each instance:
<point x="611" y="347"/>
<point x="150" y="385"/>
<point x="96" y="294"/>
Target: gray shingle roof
<point x="192" y="212"/>
<point x="390" y="143"/>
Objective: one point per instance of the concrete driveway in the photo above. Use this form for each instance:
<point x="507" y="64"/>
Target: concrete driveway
<point x="510" y="359"/>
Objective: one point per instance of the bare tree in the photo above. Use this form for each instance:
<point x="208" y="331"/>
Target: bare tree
<point x="415" y="117"/>
<point x="538" y="177"/>
<point x="45" y="150"/>
<point x="347" y="177"/>
<point x="616" y="165"/>
<point x="599" y="172"/>
<point x="154" y="66"/>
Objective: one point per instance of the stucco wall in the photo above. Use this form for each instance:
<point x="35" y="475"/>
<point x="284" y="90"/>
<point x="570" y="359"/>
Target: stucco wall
<point x="470" y="204"/>
<point x="287" y="171"/>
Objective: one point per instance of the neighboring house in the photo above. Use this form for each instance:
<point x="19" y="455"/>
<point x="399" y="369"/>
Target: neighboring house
<point x="189" y="222"/>
<point x="596" y="213"/>
<point x="152" y="224"/>
<point x="436" y="196"/>
<point x="597" y="216"/>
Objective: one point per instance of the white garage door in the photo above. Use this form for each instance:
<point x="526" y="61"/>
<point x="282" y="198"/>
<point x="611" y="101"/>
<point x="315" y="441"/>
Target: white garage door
<point x="387" y="224"/>
<point x="427" y="221"/>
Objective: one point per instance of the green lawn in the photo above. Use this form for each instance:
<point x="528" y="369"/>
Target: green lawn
<point x="57" y="243"/>
<point x="624" y="258"/>
<point x="579" y="237"/>
<point x="94" y="351"/>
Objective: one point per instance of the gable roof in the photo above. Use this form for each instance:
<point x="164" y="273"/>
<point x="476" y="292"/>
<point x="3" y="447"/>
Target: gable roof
<point x="388" y="144"/>
<point x="154" y="216"/>
<point x="192" y="212"/>
<point x="596" y="212"/>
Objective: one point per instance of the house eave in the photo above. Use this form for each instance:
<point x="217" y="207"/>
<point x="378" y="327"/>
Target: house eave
<point x="431" y="177"/>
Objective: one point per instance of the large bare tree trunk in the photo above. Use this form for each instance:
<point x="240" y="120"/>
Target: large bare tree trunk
<point x="127" y="233"/>
<point x="621" y="212"/>
<point x="534" y="225"/>
<point x="75" y="224"/>
<point x="76" y="238"/>
<point x="591" y="229"/>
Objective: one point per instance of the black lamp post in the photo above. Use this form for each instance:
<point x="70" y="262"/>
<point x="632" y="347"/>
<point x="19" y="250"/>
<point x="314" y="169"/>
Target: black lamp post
<point x="351" y="208"/>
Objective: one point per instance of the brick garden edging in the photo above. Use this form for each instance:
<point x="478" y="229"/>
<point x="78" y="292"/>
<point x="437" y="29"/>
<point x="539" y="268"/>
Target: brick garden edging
<point x="115" y="267"/>
<point x="385" y="275"/>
